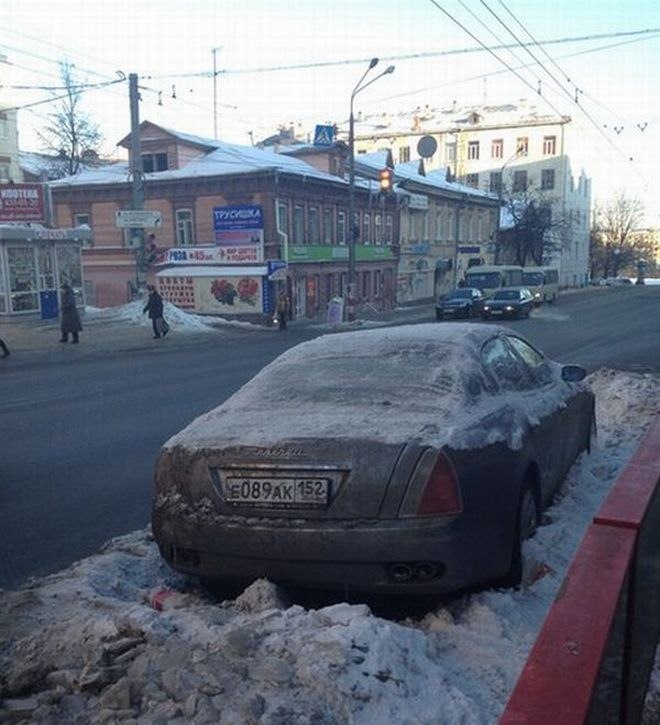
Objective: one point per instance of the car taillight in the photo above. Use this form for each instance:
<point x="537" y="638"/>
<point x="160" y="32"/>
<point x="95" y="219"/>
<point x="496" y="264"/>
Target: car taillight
<point x="441" y="495"/>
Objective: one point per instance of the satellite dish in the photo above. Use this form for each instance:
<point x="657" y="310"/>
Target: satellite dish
<point x="427" y="146"/>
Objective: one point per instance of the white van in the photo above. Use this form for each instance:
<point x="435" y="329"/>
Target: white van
<point x="542" y="282"/>
<point x="489" y="277"/>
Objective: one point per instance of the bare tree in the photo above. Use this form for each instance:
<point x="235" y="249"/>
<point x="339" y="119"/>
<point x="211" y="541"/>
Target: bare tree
<point x="70" y="133"/>
<point x="614" y="244"/>
<point x="536" y="232"/>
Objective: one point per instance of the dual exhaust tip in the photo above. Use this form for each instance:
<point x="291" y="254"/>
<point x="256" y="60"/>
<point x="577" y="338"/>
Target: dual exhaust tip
<point x="420" y="571"/>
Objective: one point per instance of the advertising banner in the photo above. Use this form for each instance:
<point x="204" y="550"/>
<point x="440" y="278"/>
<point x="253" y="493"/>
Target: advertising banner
<point x="210" y="255"/>
<point x="213" y="294"/>
<point x="238" y="225"/>
<point x="229" y="295"/>
<point x="22" y="203"/>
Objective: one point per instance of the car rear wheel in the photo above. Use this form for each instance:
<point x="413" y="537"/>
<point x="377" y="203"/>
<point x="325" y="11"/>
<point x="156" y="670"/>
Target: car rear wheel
<point x="526" y="524"/>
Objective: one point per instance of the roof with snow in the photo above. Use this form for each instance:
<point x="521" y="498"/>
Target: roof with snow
<point x="223" y="159"/>
<point x="427" y="118"/>
<point x="413" y="172"/>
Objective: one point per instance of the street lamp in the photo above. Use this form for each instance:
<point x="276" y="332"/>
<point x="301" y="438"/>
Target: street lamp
<point x="352" y="227"/>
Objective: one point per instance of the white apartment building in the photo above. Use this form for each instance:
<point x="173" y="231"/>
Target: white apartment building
<point x="514" y="147"/>
<point x="10" y="169"/>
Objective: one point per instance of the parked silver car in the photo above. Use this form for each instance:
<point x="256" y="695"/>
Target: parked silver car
<point x="411" y="459"/>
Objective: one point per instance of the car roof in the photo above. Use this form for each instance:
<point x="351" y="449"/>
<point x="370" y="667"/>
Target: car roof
<point x="384" y="385"/>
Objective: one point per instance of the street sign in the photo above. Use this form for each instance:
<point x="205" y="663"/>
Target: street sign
<point x="324" y="136"/>
<point x="138" y="218"/>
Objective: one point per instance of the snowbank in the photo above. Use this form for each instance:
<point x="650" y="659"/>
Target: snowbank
<point x="119" y="636"/>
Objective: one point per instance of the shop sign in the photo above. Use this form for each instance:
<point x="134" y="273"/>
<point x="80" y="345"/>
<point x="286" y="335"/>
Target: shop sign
<point x="238" y="225"/>
<point x="22" y="203"/>
<point x="418" y="201"/>
<point x="211" y="255"/>
<point x="469" y="250"/>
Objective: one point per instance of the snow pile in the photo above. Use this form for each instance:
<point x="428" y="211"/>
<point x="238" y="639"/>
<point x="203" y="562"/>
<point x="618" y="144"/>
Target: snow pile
<point x="120" y="636"/>
<point x="179" y="320"/>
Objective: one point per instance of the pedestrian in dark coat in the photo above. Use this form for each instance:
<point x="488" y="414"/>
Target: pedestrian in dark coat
<point x="70" y="320"/>
<point x="4" y="348"/>
<point x="283" y="308"/>
<point x="154" y="307"/>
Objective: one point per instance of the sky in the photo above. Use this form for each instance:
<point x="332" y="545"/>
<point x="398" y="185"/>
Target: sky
<point x="120" y="631"/>
<point x="173" y="47"/>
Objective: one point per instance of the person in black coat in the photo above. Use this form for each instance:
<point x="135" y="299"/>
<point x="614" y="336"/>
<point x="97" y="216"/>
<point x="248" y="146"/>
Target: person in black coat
<point x="4" y="348"/>
<point x="154" y="307"/>
<point x="70" y="320"/>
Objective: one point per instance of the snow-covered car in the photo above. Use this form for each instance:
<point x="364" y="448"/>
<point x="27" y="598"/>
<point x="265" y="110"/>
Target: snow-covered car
<point x="461" y="302"/>
<point x="412" y="459"/>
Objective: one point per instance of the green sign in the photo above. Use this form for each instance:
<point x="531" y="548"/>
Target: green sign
<point x="326" y="253"/>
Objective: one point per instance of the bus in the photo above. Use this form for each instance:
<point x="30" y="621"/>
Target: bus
<point x="489" y="277"/>
<point x="543" y="283"/>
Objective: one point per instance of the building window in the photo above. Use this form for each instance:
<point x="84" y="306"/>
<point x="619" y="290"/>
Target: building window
<point x="473" y="150"/>
<point x="341" y="227"/>
<point x="298" y="225"/>
<point x="404" y="154"/>
<point x="549" y="145"/>
<point x="473" y="180"/>
<point x="450" y="152"/>
<point x="154" y="162"/>
<point x="81" y="219"/>
<point x="4" y="126"/>
<point x="522" y="146"/>
<point x="283" y="222"/>
<point x="495" y="185"/>
<point x="378" y="283"/>
<point x="313" y="225"/>
<point x="327" y="226"/>
<point x="519" y="180"/>
<point x="497" y="148"/>
<point x="438" y="226"/>
<point x="378" y="229"/>
<point x="389" y="229"/>
<point x="366" y="229"/>
<point x="547" y="178"/>
<point x="5" y="161"/>
<point x="184" y="227"/>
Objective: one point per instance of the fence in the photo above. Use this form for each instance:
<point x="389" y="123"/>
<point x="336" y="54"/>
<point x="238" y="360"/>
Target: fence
<point x="592" y="659"/>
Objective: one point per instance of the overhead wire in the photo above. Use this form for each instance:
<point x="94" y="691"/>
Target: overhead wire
<point x="497" y="57"/>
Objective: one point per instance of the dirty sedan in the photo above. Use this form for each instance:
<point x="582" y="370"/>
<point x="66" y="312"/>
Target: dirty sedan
<point x="411" y="460"/>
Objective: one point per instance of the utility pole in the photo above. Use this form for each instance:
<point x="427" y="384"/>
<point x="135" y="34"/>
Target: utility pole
<point x="137" y="180"/>
<point x="215" y="92"/>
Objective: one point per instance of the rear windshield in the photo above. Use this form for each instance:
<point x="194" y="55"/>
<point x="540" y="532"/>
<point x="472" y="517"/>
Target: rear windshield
<point x="486" y="280"/>
<point x="460" y="294"/>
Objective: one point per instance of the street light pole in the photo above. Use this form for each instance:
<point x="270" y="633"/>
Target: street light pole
<point x="352" y="226"/>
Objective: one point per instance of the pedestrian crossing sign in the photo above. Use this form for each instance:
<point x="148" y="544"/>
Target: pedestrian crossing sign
<point x="324" y="136"/>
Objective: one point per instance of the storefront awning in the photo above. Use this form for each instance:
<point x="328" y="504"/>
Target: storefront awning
<point x="211" y="271"/>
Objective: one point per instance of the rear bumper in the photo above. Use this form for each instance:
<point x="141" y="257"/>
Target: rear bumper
<point x="403" y="557"/>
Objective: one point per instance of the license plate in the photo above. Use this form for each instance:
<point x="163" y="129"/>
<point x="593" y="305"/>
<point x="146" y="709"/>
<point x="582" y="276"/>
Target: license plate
<point x="277" y="492"/>
<point x="496" y="312"/>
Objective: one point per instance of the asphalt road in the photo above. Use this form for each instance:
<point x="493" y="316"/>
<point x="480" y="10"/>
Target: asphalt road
<point x="79" y="436"/>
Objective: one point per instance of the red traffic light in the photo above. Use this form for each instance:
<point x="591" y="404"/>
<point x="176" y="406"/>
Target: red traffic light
<point x="385" y="179"/>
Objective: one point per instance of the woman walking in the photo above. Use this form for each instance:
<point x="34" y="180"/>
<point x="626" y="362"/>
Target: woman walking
<point x="70" y="321"/>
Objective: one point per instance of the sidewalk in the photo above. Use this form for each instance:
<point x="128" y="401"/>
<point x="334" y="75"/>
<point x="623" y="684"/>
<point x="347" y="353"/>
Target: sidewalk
<point x="127" y="328"/>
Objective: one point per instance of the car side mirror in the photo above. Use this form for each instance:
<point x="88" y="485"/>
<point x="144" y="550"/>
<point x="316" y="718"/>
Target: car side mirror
<point x="573" y="373"/>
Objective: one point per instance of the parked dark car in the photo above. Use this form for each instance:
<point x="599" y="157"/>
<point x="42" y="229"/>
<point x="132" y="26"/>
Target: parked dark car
<point x="405" y="460"/>
<point x="509" y="302"/>
<point x="461" y="302"/>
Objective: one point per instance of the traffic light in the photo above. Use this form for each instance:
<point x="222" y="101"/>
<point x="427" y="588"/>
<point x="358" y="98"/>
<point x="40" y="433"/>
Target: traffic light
<point x="385" y="179"/>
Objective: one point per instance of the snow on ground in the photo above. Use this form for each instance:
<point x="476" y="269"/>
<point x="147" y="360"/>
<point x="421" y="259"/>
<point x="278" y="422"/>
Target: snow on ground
<point x="118" y="636"/>
<point x="179" y="320"/>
